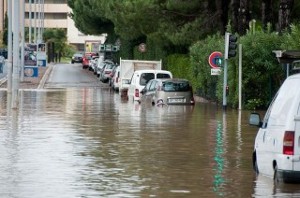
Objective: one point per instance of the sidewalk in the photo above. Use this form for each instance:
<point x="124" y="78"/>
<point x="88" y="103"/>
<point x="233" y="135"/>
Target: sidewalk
<point x="32" y="82"/>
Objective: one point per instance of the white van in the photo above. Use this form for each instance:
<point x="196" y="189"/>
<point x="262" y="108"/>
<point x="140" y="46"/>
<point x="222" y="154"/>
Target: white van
<point x="140" y="78"/>
<point x="277" y="143"/>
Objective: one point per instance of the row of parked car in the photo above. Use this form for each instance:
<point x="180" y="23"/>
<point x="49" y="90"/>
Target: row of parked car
<point x="156" y="87"/>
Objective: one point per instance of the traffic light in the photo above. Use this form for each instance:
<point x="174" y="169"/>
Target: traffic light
<point x="230" y="45"/>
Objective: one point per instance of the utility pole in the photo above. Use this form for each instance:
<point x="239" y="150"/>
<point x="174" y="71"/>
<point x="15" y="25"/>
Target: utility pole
<point x="16" y="30"/>
<point x="9" y="47"/>
<point x="30" y="20"/>
<point x="22" y="26"/>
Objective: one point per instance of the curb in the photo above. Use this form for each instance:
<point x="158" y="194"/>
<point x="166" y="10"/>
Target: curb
<point x="45" y="77"/>
<point x="3" y="80"/>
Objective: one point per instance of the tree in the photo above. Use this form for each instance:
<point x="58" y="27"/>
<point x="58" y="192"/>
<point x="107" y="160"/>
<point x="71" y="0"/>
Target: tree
<point x="285" y="8"/>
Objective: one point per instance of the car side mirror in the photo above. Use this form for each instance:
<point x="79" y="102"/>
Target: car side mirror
<point x="255" y="120"/>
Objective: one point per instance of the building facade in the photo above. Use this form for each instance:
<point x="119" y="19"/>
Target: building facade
<point x="51" y="14"/>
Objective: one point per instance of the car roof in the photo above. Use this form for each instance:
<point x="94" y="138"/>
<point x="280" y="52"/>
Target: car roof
<point x="170" y="80"/>
<point x="152" y="71"/>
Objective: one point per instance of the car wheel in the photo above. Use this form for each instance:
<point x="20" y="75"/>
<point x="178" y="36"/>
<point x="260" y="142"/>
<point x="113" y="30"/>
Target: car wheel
<point x="72" y="62"/>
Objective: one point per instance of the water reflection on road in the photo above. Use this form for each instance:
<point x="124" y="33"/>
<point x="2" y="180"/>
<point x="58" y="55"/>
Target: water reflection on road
<point x="90" y="143"/>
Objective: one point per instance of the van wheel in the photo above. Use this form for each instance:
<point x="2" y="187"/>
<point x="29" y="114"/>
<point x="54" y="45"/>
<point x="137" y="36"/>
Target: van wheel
<point x="276" y="177"/>
<point x="254" y="163"/>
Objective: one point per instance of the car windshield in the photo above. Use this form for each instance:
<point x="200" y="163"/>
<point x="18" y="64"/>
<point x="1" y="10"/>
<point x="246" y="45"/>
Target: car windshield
<point x="176" y="86"/>
<point x="78" y="55"/>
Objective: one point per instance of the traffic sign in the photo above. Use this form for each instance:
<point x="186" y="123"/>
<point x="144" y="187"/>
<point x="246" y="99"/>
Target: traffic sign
<point x="213" y="59"/>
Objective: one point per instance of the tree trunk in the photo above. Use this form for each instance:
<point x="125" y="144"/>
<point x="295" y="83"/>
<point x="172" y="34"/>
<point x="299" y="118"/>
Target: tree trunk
<point x="235" y="15"/>
<point x="244" y="17"/>
<point x="284" y="15"/>
<point x="267" y="11"/>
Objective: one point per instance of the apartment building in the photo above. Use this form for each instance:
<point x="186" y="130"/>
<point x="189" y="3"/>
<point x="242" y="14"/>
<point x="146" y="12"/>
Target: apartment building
<point x="55" y="15"/>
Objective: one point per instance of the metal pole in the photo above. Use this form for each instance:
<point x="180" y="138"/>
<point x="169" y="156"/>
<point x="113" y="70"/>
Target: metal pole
<point x="43" y="18"/>
<point x="35" y="21"/>
<point x="39" y="22"/>
<point x="240" y="76"/>
<point x="30" y="21"/>
<point x="22" y="38"/>
<point x="16" y="28"/>
<point x="9" y="48"/>
<point x="225" y="84"/>
<point x="225" y="70"/>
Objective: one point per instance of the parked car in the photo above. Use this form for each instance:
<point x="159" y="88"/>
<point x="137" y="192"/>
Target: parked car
<point x="277" y="144"/>
<point x="101" y="65"/>
<point x="140" y="78"/>
<point x="111" y="76"/>
<point x="106" y="74"/>
<point x="86" y="59"/>
<point x="77" y="58"/>
<point x="92" y="62"/>
<point x="96" y="63"/>
<point x="168" y="91"/>
<point x="115" y="80"/>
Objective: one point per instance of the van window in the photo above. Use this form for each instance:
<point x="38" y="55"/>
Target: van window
<point x="282" y="104"/>
<point x="162" y="75"/>
<point x="145" y="77"/>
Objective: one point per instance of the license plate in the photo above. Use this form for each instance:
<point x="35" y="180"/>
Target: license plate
<point x="175" y="100"/>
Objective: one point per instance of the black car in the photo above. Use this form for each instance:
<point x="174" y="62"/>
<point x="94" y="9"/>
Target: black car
<point x="77" y="58"/>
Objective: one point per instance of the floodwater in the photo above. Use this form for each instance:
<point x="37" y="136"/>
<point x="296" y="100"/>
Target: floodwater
<point x="88" y="143"/>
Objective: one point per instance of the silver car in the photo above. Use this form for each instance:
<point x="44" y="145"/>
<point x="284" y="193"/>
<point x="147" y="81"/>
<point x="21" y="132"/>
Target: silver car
<point x="168" y="92"/>
<point x="106" y="73"/>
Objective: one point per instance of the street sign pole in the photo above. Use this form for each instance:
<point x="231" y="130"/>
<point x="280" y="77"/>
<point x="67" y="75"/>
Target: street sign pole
<point x="225" y="70"/>
<point x="225" y="84"/>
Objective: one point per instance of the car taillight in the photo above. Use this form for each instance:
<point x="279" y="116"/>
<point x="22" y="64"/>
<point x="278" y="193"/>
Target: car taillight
<point x="107" y="72"/>
<point x="137" y="93"/>
<point x="288" y="143"/>
<point x="117" y="80"/>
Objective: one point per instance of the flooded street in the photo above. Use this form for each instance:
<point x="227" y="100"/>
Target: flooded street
<point x="87" y="142"/>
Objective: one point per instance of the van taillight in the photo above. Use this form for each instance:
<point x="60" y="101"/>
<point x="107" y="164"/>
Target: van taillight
<point x="288" y="143"/>
<point x="137" y="93"/>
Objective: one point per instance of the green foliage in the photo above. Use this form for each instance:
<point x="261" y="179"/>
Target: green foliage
<point x="292" y="39"/>
<point x="59" y="37"/>
<point x="200" y="70"/>
<point x="179" y="65"/>
<point x="262" y="74"/>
